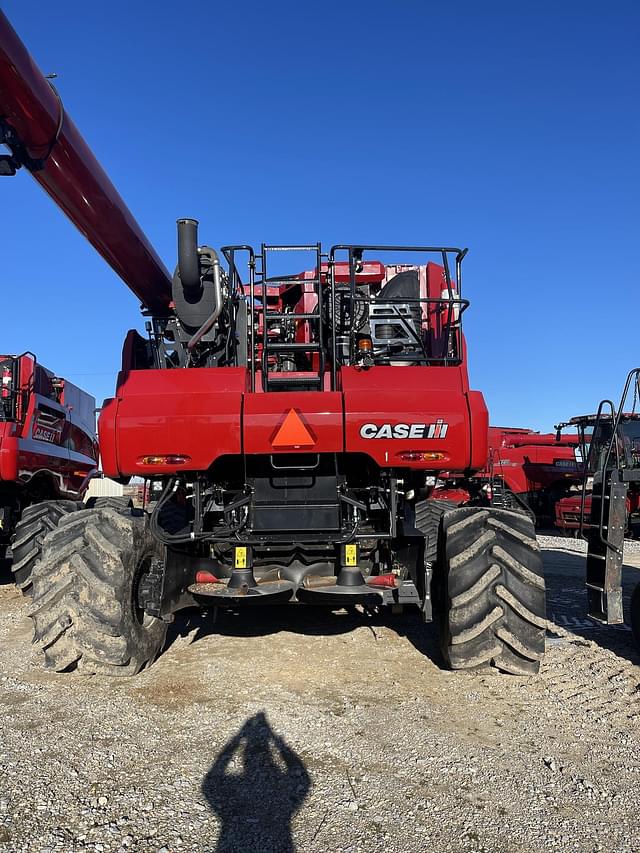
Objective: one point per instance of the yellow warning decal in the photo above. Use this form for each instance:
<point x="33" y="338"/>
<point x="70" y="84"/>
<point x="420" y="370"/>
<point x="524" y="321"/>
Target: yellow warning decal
<point x="351" y="554"/>
<point x="240" y="560"/>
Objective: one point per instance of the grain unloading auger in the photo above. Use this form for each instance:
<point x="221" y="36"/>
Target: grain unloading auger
<point x="299" y="423"/>
<point x="48" y="448"/>
<point x="45" y="141"/>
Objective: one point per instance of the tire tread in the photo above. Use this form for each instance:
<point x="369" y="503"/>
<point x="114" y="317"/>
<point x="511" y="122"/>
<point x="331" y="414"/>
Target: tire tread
<point x="492" y="575"/>
<point x="83" y="610"/>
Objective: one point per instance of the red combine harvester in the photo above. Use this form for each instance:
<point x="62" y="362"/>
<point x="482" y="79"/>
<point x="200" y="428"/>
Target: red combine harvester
<point x="532" y="470"/>
<point x="48" y="453"/>
<point x="297" y="414"/>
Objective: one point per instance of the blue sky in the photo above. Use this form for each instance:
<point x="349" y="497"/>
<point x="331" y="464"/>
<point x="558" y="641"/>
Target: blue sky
<point x="507" y="127"/>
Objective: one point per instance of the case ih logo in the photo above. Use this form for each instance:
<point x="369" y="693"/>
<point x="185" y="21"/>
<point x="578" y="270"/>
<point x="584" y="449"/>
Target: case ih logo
<point x="43" y="433"/>
<point x="435" y="430"/>
<point x="47" y="428"/>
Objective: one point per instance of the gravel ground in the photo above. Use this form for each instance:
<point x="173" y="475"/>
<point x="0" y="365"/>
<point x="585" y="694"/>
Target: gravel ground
<point x="287" y="730"/>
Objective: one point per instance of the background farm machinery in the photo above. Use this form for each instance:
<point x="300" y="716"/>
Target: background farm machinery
<point x="573" y="512"/>
<point x="48" y="453"/>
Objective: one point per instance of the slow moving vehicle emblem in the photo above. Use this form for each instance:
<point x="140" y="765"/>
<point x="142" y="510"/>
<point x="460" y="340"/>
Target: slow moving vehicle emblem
<point x="293" y="432"/>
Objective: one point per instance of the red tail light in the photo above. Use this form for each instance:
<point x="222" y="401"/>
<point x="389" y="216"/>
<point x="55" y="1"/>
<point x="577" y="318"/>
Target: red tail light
<point x="164" y="459"/>
<point x="421" y="456"/>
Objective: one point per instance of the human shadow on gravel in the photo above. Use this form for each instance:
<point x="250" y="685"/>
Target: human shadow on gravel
<point x="306" y="620"/>
<point x="567" y="603"/>
<point x="255" y="787"/>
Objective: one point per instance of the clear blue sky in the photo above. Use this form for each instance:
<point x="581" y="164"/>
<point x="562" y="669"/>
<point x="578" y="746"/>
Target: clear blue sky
<point x="507" y="127"/>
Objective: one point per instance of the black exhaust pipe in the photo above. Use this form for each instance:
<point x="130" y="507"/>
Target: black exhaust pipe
<point x="188" y="258"/>
<point x="197" y="284"/>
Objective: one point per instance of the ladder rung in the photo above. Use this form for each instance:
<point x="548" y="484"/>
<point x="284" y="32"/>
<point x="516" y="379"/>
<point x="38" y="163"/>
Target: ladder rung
<point x="277" y="282"/>
<point x="595" y="587"/>
<point x="281" y="378"/>
<point x="272" y="316"/>
<point x="291" y="248"/>
<point x="292" y="381"/>
<point x="292" y="347"/>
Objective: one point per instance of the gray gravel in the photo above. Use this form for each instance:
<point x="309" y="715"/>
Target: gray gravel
<point x="631" y="546"/>
<point x="286" y="730"/>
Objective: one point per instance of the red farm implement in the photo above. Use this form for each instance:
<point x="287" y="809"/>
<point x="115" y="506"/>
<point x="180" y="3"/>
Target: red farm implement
<point x="532" y="470"/>
<point x="297" y="405"/>
<point x="48" y="452"/>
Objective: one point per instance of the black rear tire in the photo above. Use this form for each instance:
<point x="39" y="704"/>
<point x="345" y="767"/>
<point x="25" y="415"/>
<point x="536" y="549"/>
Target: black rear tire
<point x="35" y="523"/>
<point x="120" y="504"/>
<point x="85" y="608"/>
<point x="493" y="586"/>
<point x="635" y="614"/>
<point x="428" y="517"/>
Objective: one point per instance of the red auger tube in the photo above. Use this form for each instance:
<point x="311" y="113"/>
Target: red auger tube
<point x="69" y="172"/>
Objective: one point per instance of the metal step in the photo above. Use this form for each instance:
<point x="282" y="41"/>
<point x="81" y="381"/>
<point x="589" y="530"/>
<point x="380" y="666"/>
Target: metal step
<point x="271" y="315"/>
<point x="291" y="347"/>
<point x="284" y="382"/>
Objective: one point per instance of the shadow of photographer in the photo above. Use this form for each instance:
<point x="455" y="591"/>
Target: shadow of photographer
<point x="255" y="787"/>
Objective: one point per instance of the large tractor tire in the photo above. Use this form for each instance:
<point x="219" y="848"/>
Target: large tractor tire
<point x="85" y="595"/>
<point x="36" y="522"/>
<point x="492" y="591"/>
<point x="428" y="517"/>
<point x="635" y="614"/>
<point x="119" y="503"/>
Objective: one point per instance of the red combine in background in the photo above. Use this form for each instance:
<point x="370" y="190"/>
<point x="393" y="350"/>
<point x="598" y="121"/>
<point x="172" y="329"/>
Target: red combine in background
<point x="533" y="470"/>
<point x="48" y="453"/>
<point x="297" y="423"/>
<point x="525" y="471"/>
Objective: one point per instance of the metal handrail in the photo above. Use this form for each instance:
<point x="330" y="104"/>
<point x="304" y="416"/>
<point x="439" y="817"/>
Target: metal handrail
<point x="616" y="419"/>
<point x="588" y="468"/>
<point x="453" y="299"/>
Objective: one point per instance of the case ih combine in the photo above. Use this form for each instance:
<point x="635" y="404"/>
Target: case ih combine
<point x="532" y="471"/>
<point x="297" y="414"/>
<point x="48" y="453"/>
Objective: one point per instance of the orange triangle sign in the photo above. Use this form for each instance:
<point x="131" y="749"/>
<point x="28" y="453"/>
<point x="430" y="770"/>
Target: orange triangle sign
<point x="293" y="432"/>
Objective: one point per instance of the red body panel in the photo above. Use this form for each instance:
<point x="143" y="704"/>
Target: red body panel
<point x="479" y="430"/>
<point x="407" y="396"/>
<point x="8" y="453"/>
<point x="568" y="512"/>
<point x="52" y="434"/>
<point x="196" y="413"/>
<point x="208" y="413"/>
<point x="71" y="174"/>
<point x="320" y="412"/>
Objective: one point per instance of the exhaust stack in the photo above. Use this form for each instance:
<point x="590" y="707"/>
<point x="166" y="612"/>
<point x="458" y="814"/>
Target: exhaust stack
<point x="197" y="284"/>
